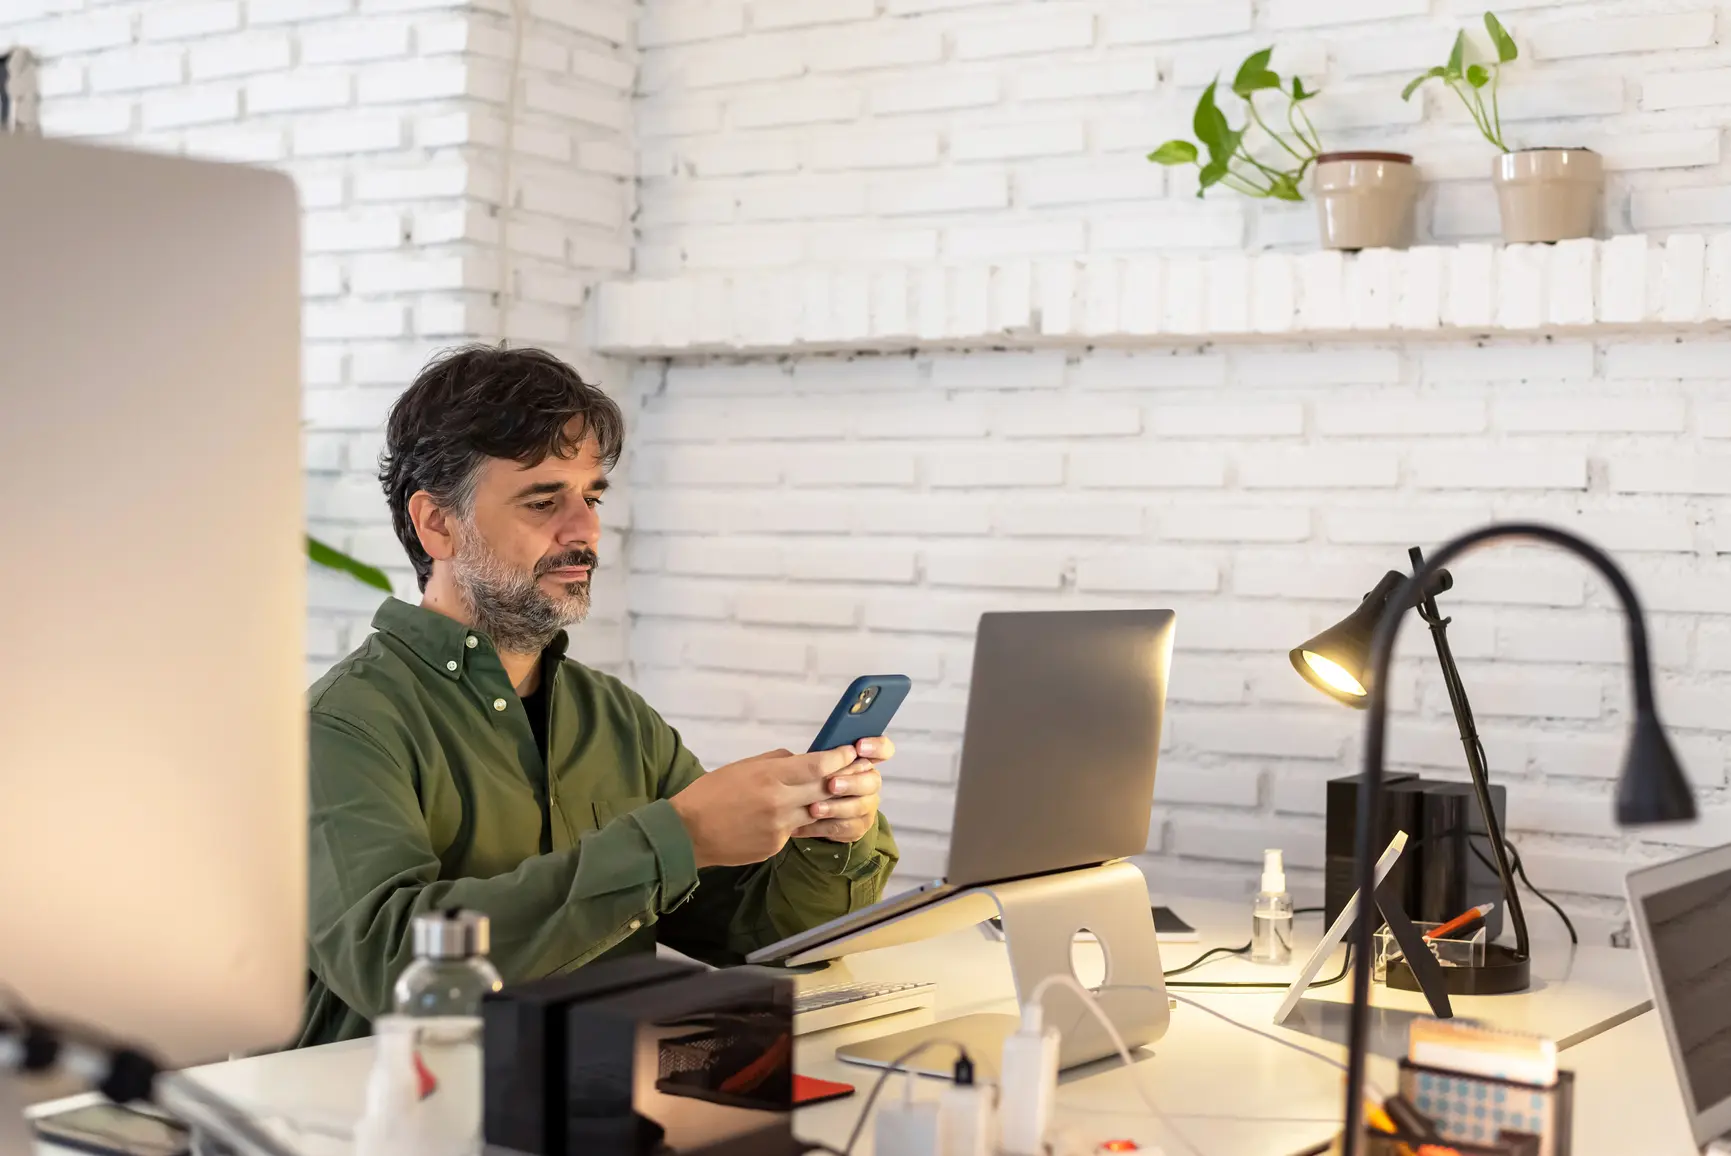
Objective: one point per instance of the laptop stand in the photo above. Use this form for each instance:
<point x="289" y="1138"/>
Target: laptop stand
<point x="1041" y="917"/>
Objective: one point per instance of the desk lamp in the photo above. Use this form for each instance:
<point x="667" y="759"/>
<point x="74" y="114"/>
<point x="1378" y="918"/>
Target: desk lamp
<point x="1650" y="789"/>
<point x="1338" y="661"/>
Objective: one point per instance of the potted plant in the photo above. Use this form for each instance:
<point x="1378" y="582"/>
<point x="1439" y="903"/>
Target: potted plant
<point x="1364" y="199"/>
<point x="1543" y="194"/>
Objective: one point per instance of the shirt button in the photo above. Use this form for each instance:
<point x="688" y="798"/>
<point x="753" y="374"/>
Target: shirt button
<point x="451" y="665"/>
<point x="498" y="704"/>
<point x="470" y="642"/>
<point x="636" y="923"/>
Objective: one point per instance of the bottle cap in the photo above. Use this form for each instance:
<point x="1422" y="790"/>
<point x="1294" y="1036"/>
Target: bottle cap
<point x="451" y="934"/>
<point x="1273" y="872"/>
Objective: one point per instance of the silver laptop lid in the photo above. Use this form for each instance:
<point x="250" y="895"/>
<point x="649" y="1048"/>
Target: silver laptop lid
<point x="1682" y="916"/>
<point x="1063" y="732"/>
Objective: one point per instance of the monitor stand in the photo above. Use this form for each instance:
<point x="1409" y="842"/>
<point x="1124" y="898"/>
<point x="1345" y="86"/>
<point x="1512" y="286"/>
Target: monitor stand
<point x="1041" y="917"/>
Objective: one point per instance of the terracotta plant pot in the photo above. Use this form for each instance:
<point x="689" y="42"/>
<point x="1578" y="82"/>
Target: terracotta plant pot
<point x="1548" y="194"/>
<point x="1364" y="200"/>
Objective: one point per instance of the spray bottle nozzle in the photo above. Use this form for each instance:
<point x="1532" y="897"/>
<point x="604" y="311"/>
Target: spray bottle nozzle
<point x="1273" y="872"/>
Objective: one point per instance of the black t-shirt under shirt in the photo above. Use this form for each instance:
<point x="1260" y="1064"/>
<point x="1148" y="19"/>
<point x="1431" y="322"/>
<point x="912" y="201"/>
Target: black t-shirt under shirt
<point x="535" y="706"/>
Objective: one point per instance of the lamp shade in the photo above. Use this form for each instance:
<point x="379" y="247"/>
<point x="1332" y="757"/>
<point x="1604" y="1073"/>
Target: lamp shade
<point x="1337" y="661"/>
<point x="1652" y="787"/>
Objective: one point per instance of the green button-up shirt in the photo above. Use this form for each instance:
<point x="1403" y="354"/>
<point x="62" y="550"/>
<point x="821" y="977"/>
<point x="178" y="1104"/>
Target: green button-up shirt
<point x="428" y="791"/>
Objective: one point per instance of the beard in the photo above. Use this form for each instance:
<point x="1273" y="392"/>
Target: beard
<point x="508" y="604"/>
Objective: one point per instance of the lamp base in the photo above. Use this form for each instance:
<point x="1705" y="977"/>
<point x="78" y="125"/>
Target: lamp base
<point x="1502" y="972"/>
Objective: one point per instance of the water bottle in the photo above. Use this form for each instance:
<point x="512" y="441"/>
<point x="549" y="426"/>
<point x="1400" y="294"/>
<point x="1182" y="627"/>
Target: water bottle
<point x="451" y="973"/>
<point x="440" y="995"/>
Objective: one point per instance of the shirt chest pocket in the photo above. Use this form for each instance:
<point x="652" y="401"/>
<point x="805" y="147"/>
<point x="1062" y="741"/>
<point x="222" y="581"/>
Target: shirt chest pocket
<point x="607" y="810"/>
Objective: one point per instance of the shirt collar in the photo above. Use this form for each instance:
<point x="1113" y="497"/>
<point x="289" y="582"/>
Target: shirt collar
<point x="443" y="643"/>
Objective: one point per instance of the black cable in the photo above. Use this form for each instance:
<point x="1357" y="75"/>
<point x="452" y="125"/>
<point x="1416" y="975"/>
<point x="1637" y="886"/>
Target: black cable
<point x="1520" y="869"/>
<point x="1309" y="910"/>
<point x="1205" y="957"/>
<point x="1345" y="968"/>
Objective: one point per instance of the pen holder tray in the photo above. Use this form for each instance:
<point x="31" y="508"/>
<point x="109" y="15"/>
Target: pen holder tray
<point x="1470" y="966"/>
<point x="1478" y="1114"/>
<point x="1450" y="951"/>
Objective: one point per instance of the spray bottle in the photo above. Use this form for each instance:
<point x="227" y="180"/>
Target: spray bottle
<point x="1271" y="919"/>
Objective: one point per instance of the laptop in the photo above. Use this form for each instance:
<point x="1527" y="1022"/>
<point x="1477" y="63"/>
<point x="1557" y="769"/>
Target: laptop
<point x="1058" y="754"/>
<point x="1681" y="912"/>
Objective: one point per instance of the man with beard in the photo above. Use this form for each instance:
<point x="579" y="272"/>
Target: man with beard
<point x="459" y="759"/>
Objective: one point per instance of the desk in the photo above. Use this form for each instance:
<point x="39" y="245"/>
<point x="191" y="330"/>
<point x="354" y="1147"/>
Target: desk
<point x="1225" y="1090"/>
<point x="1626" y="1094"/>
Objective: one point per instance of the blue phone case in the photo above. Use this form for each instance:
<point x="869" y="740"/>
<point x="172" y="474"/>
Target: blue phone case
<point x="844" y="727"/>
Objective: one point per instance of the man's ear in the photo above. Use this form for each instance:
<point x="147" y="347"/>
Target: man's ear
<point x="434" y="526"/>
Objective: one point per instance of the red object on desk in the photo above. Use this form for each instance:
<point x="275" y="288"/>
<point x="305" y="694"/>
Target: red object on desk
<point x="808" y="1090"/>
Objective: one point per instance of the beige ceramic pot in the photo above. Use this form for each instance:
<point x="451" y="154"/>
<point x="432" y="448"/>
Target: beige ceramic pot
<point x="1364" y="200"/>
<point x="1548" y="194"/>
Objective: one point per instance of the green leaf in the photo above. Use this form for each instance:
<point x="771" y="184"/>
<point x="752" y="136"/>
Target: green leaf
<point x="1299" y="92"/>
<point x="1212" y="174"/>
<point x="334" y="559"/>
<point x="1209" y="122"/>
<point x="1174" y="152"/>
<point x="1285" y="188"/>
<point x="1478" y="75"/>
<point x="1415" y="82"/>
<point x="1506" y="50"/>
<point x="1254" y="74"/>
<point x="1452" y="70"/>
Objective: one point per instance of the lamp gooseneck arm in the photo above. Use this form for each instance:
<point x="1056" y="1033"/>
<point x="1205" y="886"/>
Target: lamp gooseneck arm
<point x="1370" y="780"/>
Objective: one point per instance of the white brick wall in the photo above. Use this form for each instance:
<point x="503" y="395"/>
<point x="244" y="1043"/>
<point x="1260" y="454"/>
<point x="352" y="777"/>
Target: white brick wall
<point x="392" y="125"/>
<point x="1258" y="490"/>
<point x="796" y="523"/>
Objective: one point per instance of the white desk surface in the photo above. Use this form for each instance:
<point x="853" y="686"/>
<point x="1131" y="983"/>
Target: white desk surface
<point x="1627" y="1098"/>
<point x="1224" y="1089"/>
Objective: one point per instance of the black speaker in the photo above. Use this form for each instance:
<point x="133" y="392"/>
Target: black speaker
<point x="1441" y="872"/>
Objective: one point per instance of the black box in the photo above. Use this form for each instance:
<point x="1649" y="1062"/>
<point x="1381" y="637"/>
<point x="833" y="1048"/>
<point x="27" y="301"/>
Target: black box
<point x="702" y="1064"/>
<point x="1438" y="876"/>
<point x="524" y="1048"/>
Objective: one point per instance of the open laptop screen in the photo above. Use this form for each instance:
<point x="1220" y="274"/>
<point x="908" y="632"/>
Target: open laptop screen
<point x="1689" y="943"/>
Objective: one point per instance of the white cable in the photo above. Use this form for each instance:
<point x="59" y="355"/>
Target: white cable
<point x="519" y="17"/>
<point x="1093" y="1005"/>
<point x="1270" y="1036"/>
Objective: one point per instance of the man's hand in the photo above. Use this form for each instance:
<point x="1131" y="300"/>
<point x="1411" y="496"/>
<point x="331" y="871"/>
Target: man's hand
<point x="852" y="807"/>
<point x="746" y="812"/>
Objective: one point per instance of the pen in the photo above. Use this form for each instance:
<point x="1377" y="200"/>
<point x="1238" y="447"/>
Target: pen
<point x="1460" y="921"/>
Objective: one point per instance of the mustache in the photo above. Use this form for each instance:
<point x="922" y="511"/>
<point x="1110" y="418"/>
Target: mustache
<point x="567" y="560"/>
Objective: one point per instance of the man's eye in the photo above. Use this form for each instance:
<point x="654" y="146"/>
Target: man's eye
<point x="593" y="501"/>
<point x="542" y="506"/>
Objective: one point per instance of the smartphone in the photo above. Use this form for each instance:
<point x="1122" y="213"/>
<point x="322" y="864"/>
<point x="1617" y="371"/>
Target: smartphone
<point x="864" y="711"/>
<point x="115" y="1130"/>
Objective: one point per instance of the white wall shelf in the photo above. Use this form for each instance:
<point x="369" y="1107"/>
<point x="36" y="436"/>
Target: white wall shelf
<point x="1682" y="283"/>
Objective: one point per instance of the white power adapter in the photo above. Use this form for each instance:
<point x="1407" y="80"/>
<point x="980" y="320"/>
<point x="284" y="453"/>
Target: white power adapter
<point x="965" y="1115"/>
<point x="907" y="1129"/>
<point x="1028" y="1087"/>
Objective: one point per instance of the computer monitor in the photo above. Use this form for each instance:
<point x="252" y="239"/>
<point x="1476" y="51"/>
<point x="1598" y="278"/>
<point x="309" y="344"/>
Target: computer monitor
<point x="1681" y="912"/>
<point x="152" y="589"/>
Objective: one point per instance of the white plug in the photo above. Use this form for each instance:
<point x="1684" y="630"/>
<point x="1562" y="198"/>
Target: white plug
<point x="1028" y="1086"/>
<point x="965" y="1115"/>
<point x="907" y="1128"/>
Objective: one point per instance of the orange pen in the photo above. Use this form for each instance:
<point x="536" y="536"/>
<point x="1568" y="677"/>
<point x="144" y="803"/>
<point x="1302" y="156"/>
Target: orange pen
<point x="1460" y="921"/>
